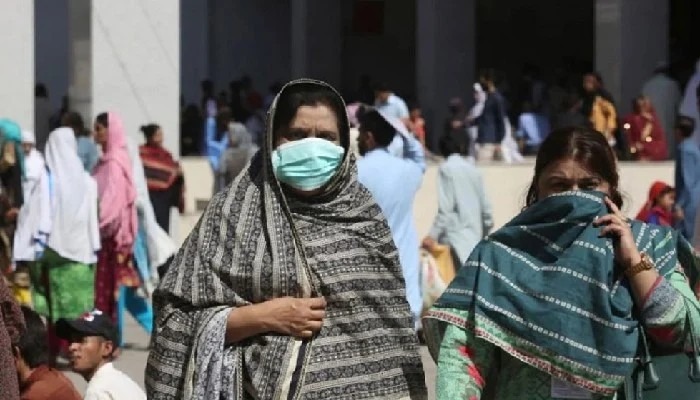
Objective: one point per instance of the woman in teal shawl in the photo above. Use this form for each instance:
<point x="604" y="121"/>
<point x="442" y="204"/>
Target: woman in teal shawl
<point x="550" y="306"/>
<point x="11" y="176"/>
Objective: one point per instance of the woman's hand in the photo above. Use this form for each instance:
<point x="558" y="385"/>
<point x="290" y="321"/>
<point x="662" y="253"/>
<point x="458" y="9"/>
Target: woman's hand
<point x="615" y="225"/>
<point x="428" y="243"/>
<point x="291" y="316"/>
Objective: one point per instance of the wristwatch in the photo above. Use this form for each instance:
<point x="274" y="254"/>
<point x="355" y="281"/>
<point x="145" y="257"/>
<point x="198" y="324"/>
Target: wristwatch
<point x="645" y="264"/>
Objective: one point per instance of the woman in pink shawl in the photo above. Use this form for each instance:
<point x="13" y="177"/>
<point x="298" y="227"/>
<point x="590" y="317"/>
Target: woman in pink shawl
<point x="117" y="209"/>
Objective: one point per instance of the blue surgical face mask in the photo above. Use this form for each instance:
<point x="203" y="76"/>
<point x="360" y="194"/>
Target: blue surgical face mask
<point x="307" y="164"/>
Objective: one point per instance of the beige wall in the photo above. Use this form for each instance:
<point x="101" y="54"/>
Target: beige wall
<point x="506" y="186"/>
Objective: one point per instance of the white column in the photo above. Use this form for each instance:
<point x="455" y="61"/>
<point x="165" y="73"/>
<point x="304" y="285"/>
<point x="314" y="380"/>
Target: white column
<point x="135" y="53"/>
<point x="136" y="64"/>
<point x="631" y="40"/>
<point x="17" y="65"/>
<point x="445" y="56"/>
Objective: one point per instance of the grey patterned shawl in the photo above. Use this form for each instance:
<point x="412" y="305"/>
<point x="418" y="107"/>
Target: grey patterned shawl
<point x="255" y="242"/>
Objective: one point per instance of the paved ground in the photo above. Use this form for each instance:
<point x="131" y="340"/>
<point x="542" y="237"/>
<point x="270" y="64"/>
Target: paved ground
<point x="505" y="186"/>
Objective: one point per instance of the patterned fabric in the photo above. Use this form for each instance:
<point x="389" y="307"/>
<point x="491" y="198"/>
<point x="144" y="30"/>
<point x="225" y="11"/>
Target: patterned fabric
<point x="68" y="285"/>
<point x="114" y="269"/>
<point x="256" y="242"/>
<point x="529" y="290"/>
<point x="160" y="167"/>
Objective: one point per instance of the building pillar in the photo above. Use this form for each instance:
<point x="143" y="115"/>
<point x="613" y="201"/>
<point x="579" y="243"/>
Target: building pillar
<point x="135" y="57"/>
<point x="631" y="40"/>
<point x="80" y="58"/>
<point x="445" y="57"/>
<point x="317" y="40"/>
<point x="17" y="66"/>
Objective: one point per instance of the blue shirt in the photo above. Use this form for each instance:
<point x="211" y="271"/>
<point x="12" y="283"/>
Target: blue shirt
<point x="394" y="183"/>
<point x="393" y="107"/>
<point x="215" y="148"/>
<point x="87" y="152"/>
<point x="688" y="183"/>
<point x="533" y="128"/>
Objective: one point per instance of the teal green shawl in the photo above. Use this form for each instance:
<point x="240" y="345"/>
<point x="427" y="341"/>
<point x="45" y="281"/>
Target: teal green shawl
<point x="11" y="132"/>
<point x="545" y="289"/>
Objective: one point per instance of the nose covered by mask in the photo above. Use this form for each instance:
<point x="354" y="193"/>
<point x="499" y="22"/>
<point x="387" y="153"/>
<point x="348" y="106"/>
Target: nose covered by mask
<point x="307" y="164"/>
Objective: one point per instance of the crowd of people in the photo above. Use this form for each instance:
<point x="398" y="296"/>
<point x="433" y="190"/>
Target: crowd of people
<point x="84" y="227"/>
<point x="304" y="277"/>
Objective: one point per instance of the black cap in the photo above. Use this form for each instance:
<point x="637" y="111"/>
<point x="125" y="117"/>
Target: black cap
<point x="93" y="323"/>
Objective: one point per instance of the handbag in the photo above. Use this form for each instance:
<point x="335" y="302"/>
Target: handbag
<point x="664" y="375"/>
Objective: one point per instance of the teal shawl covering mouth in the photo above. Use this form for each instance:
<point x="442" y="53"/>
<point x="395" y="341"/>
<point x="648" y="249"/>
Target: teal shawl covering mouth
<point x="545" y="289"/>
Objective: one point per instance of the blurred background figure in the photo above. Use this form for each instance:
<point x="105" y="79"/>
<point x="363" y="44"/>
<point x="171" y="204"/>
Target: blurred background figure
<point x="645" y="135"/>
<point x="166" y="183"/>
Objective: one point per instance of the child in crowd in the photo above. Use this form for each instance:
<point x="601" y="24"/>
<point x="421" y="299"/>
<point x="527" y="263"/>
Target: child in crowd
<point x="660" y="208"/>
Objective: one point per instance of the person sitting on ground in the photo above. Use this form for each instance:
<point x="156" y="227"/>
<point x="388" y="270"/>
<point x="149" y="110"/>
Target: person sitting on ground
<point x="37" y="380"/>
<point x="93" y="346"/>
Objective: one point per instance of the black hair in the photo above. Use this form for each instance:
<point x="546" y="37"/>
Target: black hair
<point x="149" y="130"/>
<point x="488" y="75"/>
<point x="371" y="121"/>
<point x="103" y="119"/>
<point x="697" y="92"/>
<point x="685" y="125"/>
<point x="309" y="94"/>
<point x="584" y="145"/>
<point x="41" y="91"/>
<point x="451" y="143"/>
<point x="381" y="87"/>
<point x="224" y="116"/>
<point x="207" y="86"/>
<point x="74" y="121"/>
<point x="635" y="103"/>
<point x="33" y="344"/>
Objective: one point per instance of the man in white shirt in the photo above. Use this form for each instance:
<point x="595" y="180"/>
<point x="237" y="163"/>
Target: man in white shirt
<point x="93" y="342"/>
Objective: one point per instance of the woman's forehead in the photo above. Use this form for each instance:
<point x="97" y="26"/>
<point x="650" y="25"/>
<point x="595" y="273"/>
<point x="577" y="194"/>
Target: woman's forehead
<point x="569" y="169"/>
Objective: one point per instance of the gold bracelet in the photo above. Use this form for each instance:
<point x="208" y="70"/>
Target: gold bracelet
<point x="645" y="264"/>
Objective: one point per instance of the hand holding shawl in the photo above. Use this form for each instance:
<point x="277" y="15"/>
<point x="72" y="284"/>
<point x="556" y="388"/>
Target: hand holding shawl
<point x="545" y="289"/>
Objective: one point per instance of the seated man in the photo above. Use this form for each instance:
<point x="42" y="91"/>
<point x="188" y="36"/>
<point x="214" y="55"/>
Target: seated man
<point x="93" y="342"/>
<point x="37" y="380"/>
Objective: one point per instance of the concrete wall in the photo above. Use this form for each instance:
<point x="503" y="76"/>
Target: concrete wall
<point x="51" y="24"/>
<point x="388" y="57"/>
<point x="631" y="39"/>
<point x="135" y="64"/>
<point x="316" y="55"/>
<point x="17" y="66"/>
<point x="445" y="58"/>
<point x="249" y="37"/>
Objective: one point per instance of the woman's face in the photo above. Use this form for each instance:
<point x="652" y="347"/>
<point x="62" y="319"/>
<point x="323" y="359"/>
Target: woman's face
<point x="317" y="121"/>
<point x="100" y="134"/>
<point x="667" y="201"/>
<point x="566" y="175"/>
<point x="157" y="138"/>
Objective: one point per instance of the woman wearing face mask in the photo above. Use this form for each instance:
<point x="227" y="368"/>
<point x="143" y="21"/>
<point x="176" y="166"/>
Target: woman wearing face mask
<point x="290" y="285"/>
<point x="551" y="305"/>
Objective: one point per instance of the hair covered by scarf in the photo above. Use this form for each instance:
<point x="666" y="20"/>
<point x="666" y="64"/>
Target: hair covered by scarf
<point x="116" y="189"/>
<point x="255" y="243"/>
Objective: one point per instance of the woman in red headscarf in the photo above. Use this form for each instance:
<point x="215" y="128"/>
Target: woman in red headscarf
<point x="660" y="206"/>
<point x="644" y="132"/>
